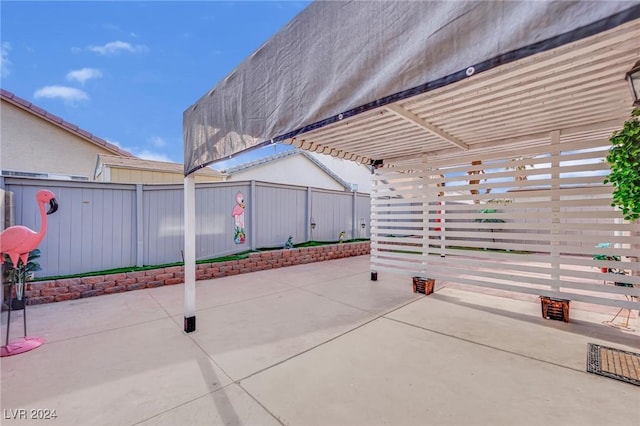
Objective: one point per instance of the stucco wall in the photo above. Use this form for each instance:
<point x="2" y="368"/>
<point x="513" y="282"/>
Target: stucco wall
<point x="349" y="171"/>
<point x="294" y="170"/>
<point x="31" y="144"/>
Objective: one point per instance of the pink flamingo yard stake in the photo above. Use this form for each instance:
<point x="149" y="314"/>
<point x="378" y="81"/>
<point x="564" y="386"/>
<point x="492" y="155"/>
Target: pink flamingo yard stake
<point x="17" y="242"/>
<point x="238" y="217"/>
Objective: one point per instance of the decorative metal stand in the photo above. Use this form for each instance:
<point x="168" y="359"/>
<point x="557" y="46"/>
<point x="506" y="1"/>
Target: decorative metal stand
<point x="624" y="325"/>
<point x="25" y="343"/>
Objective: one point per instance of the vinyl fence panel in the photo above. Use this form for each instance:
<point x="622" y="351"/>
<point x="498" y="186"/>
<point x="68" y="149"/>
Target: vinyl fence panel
<point x="332" y="212"/>
<point x="215" y="225"/>
<point x="100" y="226"/>
<point x="163" y="224"/>
<point x="363" y="213"/>
<point x="92" y="229"/>
<point x="280" y="213"/>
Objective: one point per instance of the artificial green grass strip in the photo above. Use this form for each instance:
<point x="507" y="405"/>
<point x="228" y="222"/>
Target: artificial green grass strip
<point x="231" y="257"/>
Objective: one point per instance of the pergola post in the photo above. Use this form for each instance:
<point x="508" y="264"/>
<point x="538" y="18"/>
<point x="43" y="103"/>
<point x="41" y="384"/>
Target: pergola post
<point x="189" y="253"/>
<point x="555" y="210"/>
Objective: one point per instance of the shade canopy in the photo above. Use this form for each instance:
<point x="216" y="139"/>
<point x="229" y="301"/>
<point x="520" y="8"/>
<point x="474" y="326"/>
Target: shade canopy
<point x="385" y="80"/>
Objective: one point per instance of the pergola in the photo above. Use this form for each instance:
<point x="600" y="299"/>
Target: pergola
<point x="461" y="108"/>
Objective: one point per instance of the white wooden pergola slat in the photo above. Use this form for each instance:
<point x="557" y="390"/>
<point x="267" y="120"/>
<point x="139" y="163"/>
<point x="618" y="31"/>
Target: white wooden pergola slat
<point x="571" y="86"/>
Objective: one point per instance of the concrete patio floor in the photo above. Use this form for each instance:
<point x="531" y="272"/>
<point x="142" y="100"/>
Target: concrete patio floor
<point x="315" y="344"/>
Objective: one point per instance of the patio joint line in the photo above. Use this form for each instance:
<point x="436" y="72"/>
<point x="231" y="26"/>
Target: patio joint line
<point x="53" y="342"/>
<point x="150" y="293"/>
<point x="261" y="404"/>
<point x="483" y="345"/>
<point x="326" y="341"/>
<point x="242" y="301"/>
<point x="280" y="280"/>
<point x="209" y="357"/>
<point x="343" y="303"/>
<point x="182" y="404"/>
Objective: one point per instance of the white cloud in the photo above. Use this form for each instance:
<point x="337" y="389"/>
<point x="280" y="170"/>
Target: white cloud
<point x="145" y="154"/>
<point x="150" y="155"/>
<point x="158" y="142"/>
<point x="115" y="47"/>
<point x="84" y="74"/>
<point x="5" y="63"/>
<point x="69" y="95"/>
<point x="118" y="144"/>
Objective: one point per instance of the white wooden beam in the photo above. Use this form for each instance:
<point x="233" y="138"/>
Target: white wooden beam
<point x="412" y="118"/>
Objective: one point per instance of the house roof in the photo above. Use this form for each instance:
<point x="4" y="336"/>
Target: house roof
<point x="285" y="154"/>
<point x="57" y="121"/>
<point x="370" y="81"/>
<point x="151" y="165"/>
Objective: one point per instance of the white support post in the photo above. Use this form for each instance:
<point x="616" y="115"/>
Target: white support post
<point x="443" y="244"/>
<point x="555" y="211"/>
<point x="189" y="253"/>
<point x="373" y="227"/>
<point x="252" y="216"/>
<point x="309" y="230"/>
<point x="354" y="216"/>
<point x="139" y="227"/>
<point x="424" y="194"/>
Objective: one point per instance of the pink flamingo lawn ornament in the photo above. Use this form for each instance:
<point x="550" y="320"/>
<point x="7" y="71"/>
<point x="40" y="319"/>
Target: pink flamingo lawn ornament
<point x="238" y="216"/>
<point x="17" y="242"/>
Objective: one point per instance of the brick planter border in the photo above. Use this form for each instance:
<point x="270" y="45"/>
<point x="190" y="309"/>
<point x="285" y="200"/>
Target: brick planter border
<point x="75" y="288"/>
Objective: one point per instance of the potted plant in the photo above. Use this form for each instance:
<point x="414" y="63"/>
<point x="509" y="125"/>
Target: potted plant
<point x="605" y="257"/>
<point x="19" y="277"/>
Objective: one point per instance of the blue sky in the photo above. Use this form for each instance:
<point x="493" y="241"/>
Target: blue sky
<point x="126" y="71"/>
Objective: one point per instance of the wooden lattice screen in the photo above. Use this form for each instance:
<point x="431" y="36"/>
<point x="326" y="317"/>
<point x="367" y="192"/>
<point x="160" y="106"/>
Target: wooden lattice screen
<point x="528" y="220"/>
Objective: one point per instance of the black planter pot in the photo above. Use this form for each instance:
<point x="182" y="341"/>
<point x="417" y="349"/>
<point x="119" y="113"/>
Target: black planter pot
<point x="17" y="304"/>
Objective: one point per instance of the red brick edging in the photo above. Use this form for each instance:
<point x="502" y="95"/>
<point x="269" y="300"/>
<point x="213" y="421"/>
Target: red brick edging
<point x="75" y="288"/>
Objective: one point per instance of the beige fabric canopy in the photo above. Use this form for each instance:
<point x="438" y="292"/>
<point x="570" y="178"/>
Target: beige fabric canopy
<point x="369" y="80"/>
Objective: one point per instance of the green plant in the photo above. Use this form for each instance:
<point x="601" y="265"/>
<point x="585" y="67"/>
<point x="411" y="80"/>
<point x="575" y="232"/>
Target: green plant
<point x="624" y="161"/>
<point x="20" y="274"/>
<point x="489" y="220"/>
<point x="605" y="257"/>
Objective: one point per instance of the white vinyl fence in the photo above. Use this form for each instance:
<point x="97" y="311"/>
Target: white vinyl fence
<point x="528" y="220"/>
<point x="101" y="226"/>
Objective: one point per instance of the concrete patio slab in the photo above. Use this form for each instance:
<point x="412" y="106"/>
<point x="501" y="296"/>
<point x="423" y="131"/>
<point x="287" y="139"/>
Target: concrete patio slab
<point x="230" y="405"/>
<point x="80" y="317"/>
<point x="313" y="344"/>
<point x="310" y="273"/>
<point x="248" y="336"/>
<point x="217" y="292"/>
<point x="514" y="326"/>
<point x="360" y="292"/>
<point x="114" y="377"/>
<point x="389" y="373"/>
